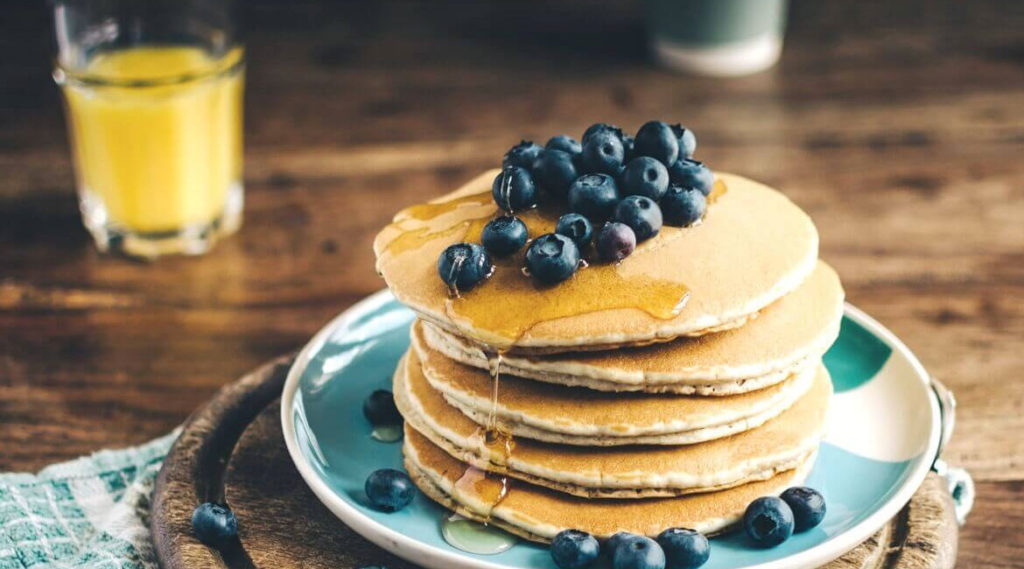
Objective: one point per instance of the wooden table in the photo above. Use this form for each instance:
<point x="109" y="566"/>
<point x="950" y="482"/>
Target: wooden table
<point x="899" y="126"/>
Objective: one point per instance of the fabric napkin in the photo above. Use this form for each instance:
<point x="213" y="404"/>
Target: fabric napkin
<point x="91" y="512"/>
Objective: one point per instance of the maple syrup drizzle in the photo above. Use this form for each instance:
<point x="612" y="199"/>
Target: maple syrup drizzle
<point x="494" y="360"/>
<point x="498" y="444"/>
<point x="453" y="287"/>
<point x="505" y="190"/>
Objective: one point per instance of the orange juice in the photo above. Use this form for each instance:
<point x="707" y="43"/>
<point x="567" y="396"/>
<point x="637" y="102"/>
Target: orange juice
<point x="157" y="135"/>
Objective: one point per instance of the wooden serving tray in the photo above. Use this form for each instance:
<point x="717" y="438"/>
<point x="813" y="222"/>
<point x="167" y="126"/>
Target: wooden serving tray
<point x="232" y="450"/>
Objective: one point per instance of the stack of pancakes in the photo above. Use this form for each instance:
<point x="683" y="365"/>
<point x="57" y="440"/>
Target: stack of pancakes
<point x="587" y="405"/>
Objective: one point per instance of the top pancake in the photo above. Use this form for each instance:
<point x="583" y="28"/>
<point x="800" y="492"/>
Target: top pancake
<point x="753" y="247"/>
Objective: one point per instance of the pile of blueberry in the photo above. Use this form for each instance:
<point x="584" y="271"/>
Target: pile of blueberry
<point x="618" y="191"/>
<point x="771" y="520"/>
<point x="676" y="548"/>
<point x="768" y="521"/>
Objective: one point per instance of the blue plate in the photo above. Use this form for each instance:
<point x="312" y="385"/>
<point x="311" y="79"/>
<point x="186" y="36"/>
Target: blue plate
<point x="883" y="437"/>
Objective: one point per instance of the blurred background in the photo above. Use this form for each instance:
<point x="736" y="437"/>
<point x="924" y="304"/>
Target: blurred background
<point x="899" y="126"/>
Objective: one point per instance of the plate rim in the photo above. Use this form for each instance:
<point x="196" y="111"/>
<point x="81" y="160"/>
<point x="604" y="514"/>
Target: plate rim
<point x="418" y="552"/>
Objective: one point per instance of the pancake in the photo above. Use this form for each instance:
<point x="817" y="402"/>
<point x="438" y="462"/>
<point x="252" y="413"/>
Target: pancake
<point x="787" y="334"/>
<point x="538" y="514"/>
<point x="623" y="471"/>
<point x="575" y="415"/>
<point x="753" y="247"/>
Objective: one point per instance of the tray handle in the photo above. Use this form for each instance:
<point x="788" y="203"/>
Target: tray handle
<point x="958" y="480"/>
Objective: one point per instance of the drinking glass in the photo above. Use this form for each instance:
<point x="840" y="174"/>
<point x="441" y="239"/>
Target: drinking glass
<point x="153" y="101"/>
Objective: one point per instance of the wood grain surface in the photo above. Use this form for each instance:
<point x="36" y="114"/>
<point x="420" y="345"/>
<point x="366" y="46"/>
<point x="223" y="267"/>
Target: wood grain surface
<point x="898" y="125"/>
<point x="232" y="449"/>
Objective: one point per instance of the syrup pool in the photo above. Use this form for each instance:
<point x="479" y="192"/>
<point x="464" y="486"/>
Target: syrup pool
<point x="475" y="537"/>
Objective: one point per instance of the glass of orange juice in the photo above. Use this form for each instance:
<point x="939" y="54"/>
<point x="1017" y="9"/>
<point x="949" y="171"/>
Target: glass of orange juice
<point x="153" y="98"/>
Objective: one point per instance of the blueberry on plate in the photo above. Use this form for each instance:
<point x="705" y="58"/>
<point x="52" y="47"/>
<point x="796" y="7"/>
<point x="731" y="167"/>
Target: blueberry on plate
<point x="684" y="548"/>
<point x="628" y="147"/>
<point x="504" y="235"/>
<point x="600" y="127"/>
<point x="691" y="174"/>
<point x="464" y="265"/>
<point x="552" y="258"/>
<point x="574" y="549"/>
<point x="554" y="171"/>
<point x="768" y="521"/>
<point x="614" y="242"/>
<point x="641" y="214"/>
<point x="594" y="195"/>
<point x="565" y="143"/>
<point x="687" y="141"/>
<point x="214" y="524"/>
<point x="514" y="189"/>
<point x="638" y="552"/>
<point x="522" y="155"/>
<point x="645" y="176"/>
<point x="379" y="408"/>
<point x="603" y="152"/>
<point x="575" y="227"/>
<point x="389" y="490"/>
<point x="682" y="206"/>
<point x="657" y="140"/>
<point x="808" y="507"/>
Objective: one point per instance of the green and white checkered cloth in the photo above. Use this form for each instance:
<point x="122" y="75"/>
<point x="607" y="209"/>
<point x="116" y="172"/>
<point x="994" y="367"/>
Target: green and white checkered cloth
<point x="92" y="512"/>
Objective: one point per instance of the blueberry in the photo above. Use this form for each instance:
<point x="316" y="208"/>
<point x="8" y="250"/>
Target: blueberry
<point x="573" y="549"/>
<point x="684" y="548"/>
<point x="687" y="141"/>
<point x="504" y="235"/>
<point x="389" y="490"/>
<point x="645" y="176"/>
<point x="380" y="409"/>
<point x="214" y="524"/>
<point x="564" y="143"/>
<point x="603" y="152"/>
<point x="552" y="258"/>
<point x="600" y="127"/>
<point x="463" y="265"/>
<point x="513" y="189"/>
<point x="691" y="174"/>
<point x="555" y="171"/>
<point x="682" y="207"/>
<point x="641" y="214"/>
<point x="613" y="543"/>
<point x="522" y="155"/>
<point x="768" y="521"/>
<point x="656" y="139"/>
<point x="614" y="242"/>
<point x="808" y="507"/>
<point x="638" y="552"/>
<point x="628" y="147"/>
<point x="372" y="567"/>
<point x="575" y="227"/>
<point x="594" y="195"/>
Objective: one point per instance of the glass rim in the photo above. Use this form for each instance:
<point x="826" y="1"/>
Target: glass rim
<point x="62" y="75"/>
